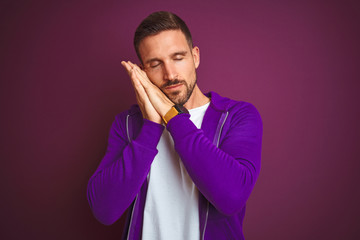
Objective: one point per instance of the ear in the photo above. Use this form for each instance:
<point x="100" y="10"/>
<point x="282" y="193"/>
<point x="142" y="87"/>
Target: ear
<point x="196" y="56"/>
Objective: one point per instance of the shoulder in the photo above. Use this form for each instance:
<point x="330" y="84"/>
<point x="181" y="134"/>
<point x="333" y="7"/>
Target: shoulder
<point x="133" y="112"/>
<point x="238" y="112"/>
<point x="225" y="104"/>
<point x="123" y="118"/>
<point x="129" y="122"/>
<point x="242" y="108"/>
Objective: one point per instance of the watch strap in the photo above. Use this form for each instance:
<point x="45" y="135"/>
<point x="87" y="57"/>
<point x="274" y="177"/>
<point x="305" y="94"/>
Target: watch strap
<point x="170" y="114"/>
<point x="174" y="111"/>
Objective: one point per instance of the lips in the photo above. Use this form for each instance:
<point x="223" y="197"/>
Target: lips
<point x="172" y="87"/>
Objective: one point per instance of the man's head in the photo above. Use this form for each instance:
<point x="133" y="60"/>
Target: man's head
<point x="164" y="46"/>
<point x="158" y="22"/>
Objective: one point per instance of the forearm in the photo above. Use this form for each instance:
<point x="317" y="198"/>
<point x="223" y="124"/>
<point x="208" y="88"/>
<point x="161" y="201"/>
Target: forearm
<point x="122" y="172"/>
<point x="225" y="175"/>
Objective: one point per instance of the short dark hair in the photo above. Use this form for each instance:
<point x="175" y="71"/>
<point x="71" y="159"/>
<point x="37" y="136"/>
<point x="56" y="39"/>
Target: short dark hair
<point x="158" y="22"/>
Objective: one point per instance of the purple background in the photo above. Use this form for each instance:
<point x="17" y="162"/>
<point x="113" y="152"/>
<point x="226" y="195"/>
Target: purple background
<point x="62" y="85"/>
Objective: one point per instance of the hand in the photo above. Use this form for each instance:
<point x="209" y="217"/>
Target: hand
<point x="147" y="109"/>
<point x="158" y="99"/>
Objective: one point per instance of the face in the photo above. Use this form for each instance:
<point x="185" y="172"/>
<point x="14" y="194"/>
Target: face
<point x="170" y="64"/>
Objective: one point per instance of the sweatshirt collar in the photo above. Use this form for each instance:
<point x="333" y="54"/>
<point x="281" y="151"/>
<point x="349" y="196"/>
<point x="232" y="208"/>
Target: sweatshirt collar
<point x="217" y="102"/>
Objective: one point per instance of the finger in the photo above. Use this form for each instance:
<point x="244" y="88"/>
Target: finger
<point x="138" y="98"/>
<point x="135" y="66"/>
<point x="130" y="69"/>
<point x="127" y="66"/>
<point x="135" y="80"/>
<point x="141" y="95"/>
<point x="124" y="63"/>
<point x="142" y="77"/>
<point x="131" y="64"/>
<point x="140" y="74"/>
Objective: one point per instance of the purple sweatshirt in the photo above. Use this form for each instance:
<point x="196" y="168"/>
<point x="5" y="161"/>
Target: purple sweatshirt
<point x="222" y="158"/>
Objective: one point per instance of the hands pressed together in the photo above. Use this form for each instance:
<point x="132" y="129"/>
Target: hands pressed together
<point x="152" y="101"/>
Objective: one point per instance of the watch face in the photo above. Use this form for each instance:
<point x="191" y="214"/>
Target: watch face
<point x="180" y="108"/>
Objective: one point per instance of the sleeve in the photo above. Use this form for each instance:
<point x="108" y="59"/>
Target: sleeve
<point x="122" y="171"/>
<point x="225" y="175"/>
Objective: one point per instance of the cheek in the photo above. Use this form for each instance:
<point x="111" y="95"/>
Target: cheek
<point x="155" y="78"/>
<point x="186" y="64"/>
<point x="185" y="69"/>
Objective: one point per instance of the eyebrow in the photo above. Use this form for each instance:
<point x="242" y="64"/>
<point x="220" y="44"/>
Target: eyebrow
<point x="183" y="53"/>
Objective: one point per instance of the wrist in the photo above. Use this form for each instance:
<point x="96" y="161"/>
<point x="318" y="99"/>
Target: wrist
<point x="155" y="119"/>
<point x="165" y="109"/>
<point x="174" y="111"/>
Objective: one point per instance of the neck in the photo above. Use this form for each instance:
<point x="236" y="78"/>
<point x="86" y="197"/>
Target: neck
<point x="196" y="99"/>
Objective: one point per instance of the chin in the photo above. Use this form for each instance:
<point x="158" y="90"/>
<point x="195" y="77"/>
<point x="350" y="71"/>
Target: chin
<point x="178" y="98"/>
<point x="181" y="101"/>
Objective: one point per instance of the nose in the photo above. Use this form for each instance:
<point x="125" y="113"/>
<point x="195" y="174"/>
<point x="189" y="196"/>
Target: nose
<point x="169" y="72"/>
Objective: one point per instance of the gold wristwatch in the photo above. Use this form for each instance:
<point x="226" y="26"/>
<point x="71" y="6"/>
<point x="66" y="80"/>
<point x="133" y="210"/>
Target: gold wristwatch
<point x="174" y="111"/>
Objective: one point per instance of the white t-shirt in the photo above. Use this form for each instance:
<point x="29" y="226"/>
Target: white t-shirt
<point x="172" y="207"/>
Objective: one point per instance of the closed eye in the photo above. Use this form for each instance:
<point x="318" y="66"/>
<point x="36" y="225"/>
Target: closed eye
<point x="155" y="64"/>
<point x="178" y="56"/>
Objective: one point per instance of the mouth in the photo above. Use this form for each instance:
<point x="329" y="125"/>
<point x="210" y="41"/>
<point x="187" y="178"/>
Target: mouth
<point x="174" y="87"/>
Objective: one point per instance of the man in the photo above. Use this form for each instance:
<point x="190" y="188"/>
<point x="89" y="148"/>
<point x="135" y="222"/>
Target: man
<point x="182" y="163"/>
